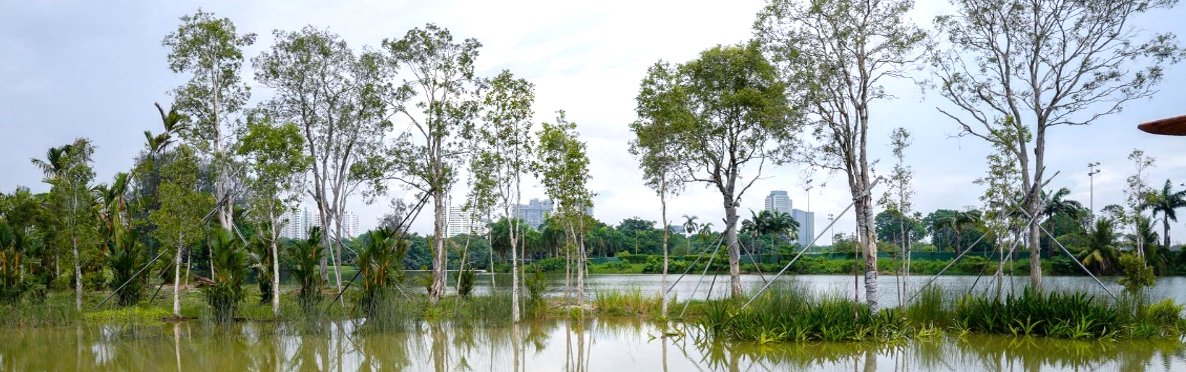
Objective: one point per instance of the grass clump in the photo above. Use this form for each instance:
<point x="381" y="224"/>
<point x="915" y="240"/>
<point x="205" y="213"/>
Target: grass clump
<point x="626" y="303"/>
<point x="1071" y="315"/>
<point x="791" y="313"/>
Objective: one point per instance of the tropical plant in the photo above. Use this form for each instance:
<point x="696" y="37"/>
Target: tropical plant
<point x="380" y="265"/>
<point x="229" y="264"/>
<point x="12" y="284"/>
<point x="125" y="258"/>
<point x="304" y="258"/>
<point x="1166" y="202"/>
<point x="960" y="222"/>
<point x="1055" y="205"/>
<point x="1100" y="252"/>
<point x="259" y="250"/>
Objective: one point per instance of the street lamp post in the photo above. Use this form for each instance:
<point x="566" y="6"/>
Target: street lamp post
<point x="1091" y="175"/>
<point x="831" y="229"/>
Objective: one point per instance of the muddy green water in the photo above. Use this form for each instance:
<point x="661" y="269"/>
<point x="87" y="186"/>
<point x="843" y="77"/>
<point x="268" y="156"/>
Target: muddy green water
<point x="546" y="346"/>
<point x="617" y="345"/>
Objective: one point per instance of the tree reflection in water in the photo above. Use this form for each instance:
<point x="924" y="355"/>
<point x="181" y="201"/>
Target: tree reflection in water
<point x="591" y="345"/>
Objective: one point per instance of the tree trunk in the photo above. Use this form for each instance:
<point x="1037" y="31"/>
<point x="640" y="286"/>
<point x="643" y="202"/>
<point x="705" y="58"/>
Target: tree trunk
<point x="177" y="279"/>
<point x="437" y="290"/>
<point x="734" y="250"/>
<point x="581" y="266"/>
<point x="275" y="265"/>
<point x="1035" y="238"/>
<point x="77" y="277"/>
<point x="666" y="230"/>
<point x="868" y="240"/>
<point x="513" y="227"/>
<point x="1165" y="223"/>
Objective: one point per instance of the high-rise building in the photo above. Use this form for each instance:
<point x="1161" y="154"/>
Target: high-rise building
<point x="778" y="201"/>
<point x="296" y="223"/>
<point x="806" y="222"/>
<point x="535" y="211"/>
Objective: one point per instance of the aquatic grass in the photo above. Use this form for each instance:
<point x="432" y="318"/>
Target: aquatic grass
<point x="1071" y="315"/>
<point x="791" y="313"/>
<point x="932" y="307"/>
<point x="630" y="302"/>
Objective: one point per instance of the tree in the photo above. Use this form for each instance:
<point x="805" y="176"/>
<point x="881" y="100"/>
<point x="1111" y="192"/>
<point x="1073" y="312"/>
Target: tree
<point x="335" y="97"/>
<point x="181" y="210"/>
<point x="1055" y="205"/>
<point x="656" y="147"/>
<point x="505" y="157"/>
<point x="1033" y="65"/>
<point x="959" y="222"/>
<point x="726" y="110"/>
<point x="440" y="86"/>
<point x="562" y="166"/>
<point x="1166" y="201"/>
<point x="1136" y="195"/>
<point x="68" y="171"/>
<point x="897" y="198"/>
<point x="1100" y="253"/>
<point x="210" y="50"/>
<point x="841" y="52"/>
<point x="277" y="159"/>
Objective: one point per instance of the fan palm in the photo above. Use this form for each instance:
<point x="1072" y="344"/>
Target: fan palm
<point x="1166" y="202"/>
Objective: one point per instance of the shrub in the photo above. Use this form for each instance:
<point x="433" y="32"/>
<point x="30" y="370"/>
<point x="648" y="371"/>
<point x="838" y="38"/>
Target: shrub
<point x="229" y="271"/>
<point x="304" y="257"/>
<point x="465" y="283"/>
<point x="379" y="263"/>
<point x="126" y="257"/>
<point x="1137" y="275"/>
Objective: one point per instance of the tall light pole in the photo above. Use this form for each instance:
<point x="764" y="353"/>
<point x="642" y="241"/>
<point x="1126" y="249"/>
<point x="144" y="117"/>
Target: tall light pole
<point x="1091" y="175"/>
<point x="831" y="229"/>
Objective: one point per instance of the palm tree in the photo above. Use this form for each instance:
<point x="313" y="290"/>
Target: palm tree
<point x="1055" y="205"/>
<point x="781" y="224"/>
<point x="1100" y="252"/>
<point x="959" y="221"/>
<point x="690" y="227"/>
<point x="1165" y="202"/>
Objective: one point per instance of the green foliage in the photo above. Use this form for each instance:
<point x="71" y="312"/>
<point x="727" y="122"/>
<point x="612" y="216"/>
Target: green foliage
<point x="126" y="257"/>
<point x="1063" y="315"/>
<point x="379" y="265"/>
<point x="259" y="250"/>
<point x="465" y="283"/>
<point x="791" y="313"/>
<point x="12" y="284"/>
<point x="304" y="258"/>
<point x="1137" y="275"/>
<point x="537" y="285"/>
<point x="230" y="266"/>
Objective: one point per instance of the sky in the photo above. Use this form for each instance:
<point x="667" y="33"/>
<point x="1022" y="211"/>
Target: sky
<point x="94" y="69"/>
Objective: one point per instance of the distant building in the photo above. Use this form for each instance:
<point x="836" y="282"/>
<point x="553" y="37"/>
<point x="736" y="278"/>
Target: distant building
<point x="296" y="223"/>
<point x="459" y="221"/>
<point x="778" y="201"/>
<point x="806" y="222"/>
<point x="535" y="212"/>
<point x="300" y="220"/>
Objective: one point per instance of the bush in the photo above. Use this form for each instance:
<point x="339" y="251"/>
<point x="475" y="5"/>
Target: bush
<point x="125" y="259"/>
<point x="230" y="269"/>
<point x="1137" y="275"/>
<point x="304" y="257"/>
<point x="379" y="265"/>
<point x="465" y="283"/>
<point x="632" y="258"/>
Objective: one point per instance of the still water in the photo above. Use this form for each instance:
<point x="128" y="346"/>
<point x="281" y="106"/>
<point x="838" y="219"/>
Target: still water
<point x="558" y="345"/>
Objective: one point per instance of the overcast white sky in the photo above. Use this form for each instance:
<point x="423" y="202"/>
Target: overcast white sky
<point x="94" y="69"/>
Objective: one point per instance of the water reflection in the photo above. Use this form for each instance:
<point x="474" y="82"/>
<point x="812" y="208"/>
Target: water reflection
<point x="545" y="346"/>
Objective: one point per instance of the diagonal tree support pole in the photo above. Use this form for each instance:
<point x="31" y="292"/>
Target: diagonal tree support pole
<point x="812" y="243"/>
<point x="121" y="287"/>
<point x="690" y="266"/>
<point x="697" y="287"/>
<point x="1073" y="258"/>
<point x="403" y="227"/>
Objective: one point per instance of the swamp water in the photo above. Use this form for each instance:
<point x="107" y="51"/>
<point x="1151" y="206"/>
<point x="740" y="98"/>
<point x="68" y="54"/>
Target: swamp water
<point x="558" y="345"/>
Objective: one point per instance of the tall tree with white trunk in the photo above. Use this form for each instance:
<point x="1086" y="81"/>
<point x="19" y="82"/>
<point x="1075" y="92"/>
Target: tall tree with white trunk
<point x="840" y="53"/>
<point x="1028" y="66"/>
